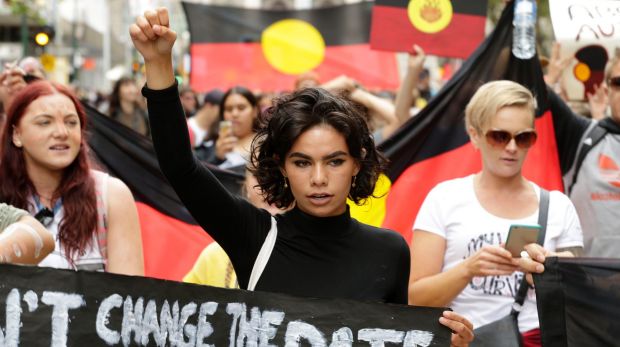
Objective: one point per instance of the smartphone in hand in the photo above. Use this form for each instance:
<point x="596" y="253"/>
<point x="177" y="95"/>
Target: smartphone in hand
<point x="519" y="236"/>
<point x="225" y="128"/>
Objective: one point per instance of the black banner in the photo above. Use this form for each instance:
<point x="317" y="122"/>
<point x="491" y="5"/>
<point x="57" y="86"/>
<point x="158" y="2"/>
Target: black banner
<point x="578" y="302"/>
<point x="48" y="307"/>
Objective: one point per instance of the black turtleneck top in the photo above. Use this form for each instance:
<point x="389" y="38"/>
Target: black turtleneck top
<point x="326" y="257"/>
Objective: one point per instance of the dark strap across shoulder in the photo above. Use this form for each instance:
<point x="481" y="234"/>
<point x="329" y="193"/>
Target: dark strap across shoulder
<point x="592" y="138"/>
<point x="543" y="213"/>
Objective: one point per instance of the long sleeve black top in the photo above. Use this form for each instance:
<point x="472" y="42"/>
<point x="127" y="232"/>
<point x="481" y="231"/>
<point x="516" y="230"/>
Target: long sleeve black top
<point x="569" y="128"/>
<point x="327" y="257"/>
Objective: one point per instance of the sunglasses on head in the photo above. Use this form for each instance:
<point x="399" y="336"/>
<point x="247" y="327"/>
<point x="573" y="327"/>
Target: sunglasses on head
<point x="500" y="138"/>
<point x="614" y="82"/>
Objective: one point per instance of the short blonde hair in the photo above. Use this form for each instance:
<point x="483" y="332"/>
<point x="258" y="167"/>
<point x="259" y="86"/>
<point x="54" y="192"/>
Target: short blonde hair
<point x="493" y="96"/>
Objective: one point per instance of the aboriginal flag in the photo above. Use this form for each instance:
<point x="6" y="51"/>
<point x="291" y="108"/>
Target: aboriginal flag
<point x="171" y="239"/>
<point x="267" y="49"/>
<point x="578" y="300"/>
<point x="434" y="146"/>
<point x="590" y="67"/>
<point x="450" y="28"/>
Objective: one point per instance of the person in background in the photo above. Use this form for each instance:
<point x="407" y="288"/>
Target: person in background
<point x="205" y="118"/>
<point x="597" y="100"/>
<point x="307" y="80"/>
<point x="11" y="82"/>
<point x="381" y="113"/>
<point x="32" y="67"/>
<point x="23" y="240"/>
<point x="189" y="101"/>
<point x="589" y="152"/>
<point x="314" y="151"/>
<point x="382" y="118"/>
<point x="238" y="123"/>
<point x="457" y="253"/>
<point x="265" y="100"/>
<point x="125" y="106"/>
<point x="45" y="170"/>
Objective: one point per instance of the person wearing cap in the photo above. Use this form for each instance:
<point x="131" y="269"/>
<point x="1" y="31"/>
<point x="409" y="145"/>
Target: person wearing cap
<point x="205" y="117"/>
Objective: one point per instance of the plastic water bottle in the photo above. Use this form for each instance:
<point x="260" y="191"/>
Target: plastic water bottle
<point x="524" y="33"/>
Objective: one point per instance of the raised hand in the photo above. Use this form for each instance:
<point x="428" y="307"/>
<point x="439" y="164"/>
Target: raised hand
<point x="153" y="38"/>
<point x="557" y="64"/>
<point x="341" y="83"/>
<point x="416" y="58"/>
<point x="598" y="101"/>
<point x="11" y="82"/>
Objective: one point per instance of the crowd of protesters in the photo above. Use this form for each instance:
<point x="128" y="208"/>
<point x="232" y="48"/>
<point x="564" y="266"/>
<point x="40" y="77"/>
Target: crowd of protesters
<point x="303" y="153"/>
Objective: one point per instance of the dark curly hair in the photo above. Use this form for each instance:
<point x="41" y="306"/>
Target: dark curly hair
<point x="293" y="114"/>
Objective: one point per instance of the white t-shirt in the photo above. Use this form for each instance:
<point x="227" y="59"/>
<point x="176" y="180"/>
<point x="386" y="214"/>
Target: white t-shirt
<point x="452" y="211"/>
<point x="92" y="259"/>
<point x="199" y="133"/>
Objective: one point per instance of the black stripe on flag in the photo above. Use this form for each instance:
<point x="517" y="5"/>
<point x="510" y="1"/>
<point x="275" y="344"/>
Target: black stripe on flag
<point x="472" y="7"/>
<point x="339" y="25"/>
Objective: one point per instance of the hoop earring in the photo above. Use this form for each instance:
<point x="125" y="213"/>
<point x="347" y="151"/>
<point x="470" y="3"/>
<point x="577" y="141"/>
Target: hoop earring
<point x="353" y="184"/>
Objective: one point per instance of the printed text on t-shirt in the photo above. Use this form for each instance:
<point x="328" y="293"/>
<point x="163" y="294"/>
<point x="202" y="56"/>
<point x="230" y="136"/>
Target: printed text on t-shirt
<point x="492" y="285"/>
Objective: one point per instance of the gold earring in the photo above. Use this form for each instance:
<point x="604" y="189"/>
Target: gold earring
<point x="353" y="184"/>
<point x="285" y="183"/>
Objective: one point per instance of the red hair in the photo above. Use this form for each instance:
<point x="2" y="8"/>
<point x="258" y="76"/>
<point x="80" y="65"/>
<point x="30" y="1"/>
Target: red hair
<point x="77" y="187"/>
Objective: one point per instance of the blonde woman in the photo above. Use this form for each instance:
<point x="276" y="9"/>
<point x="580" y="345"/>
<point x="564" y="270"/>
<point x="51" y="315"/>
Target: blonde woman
<point x="457" y="252"/>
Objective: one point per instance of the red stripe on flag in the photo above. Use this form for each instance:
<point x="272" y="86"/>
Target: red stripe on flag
<point x="410" y="189"/>
<point x="412" y="186"/>
<point x="392" y="30"/>
<point x="170" y="246"/>
<point x="223" y="65"/>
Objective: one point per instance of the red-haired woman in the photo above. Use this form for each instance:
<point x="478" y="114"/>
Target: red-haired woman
<point x="45" y="169"/>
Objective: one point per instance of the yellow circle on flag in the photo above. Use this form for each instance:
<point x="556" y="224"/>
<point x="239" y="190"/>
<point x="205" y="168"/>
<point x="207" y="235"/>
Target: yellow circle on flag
<point x="582" y="72"/>
<point x="293" y="46"/>
<point x="430" y="16"/>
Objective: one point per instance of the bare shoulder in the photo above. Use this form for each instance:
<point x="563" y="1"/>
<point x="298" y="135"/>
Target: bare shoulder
<point x="118" y="193"/>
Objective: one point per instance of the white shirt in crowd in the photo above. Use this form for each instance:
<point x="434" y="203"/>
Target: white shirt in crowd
<point x="199" y="133"/>
<point x="452" y="211"/>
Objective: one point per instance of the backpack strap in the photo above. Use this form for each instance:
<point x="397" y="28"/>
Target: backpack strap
<point x="591" y="139"/>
